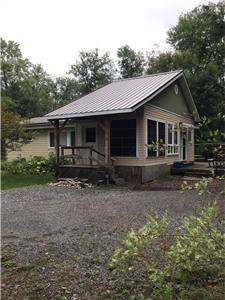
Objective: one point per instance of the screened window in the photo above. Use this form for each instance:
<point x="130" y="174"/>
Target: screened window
<point x="123" y="137"/>
<point x="90" y="135"/>
<point x="156" y="138"/>
<point x="173" y="143"/>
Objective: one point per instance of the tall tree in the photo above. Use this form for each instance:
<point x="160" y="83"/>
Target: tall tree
<point x="28" y="86"/>
<point x="92" y="70"/>
<point x="202" y="32"/>
<point x="199" y="49"/>
<point x="65" y="90"/>
<point x="131" y="63"/>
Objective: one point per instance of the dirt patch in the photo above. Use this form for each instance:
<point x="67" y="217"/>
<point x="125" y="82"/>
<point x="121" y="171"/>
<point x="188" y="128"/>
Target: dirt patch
<point x="167" y="183"/>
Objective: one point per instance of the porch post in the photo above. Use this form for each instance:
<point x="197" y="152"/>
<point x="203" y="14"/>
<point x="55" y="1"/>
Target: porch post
<point x="56" y="136"/>
<point x="107" y="142"/>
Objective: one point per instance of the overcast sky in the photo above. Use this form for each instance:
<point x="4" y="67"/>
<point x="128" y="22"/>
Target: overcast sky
<point x="52" y="32"/>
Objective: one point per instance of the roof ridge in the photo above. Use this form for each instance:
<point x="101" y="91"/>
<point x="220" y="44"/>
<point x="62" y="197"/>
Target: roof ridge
<point x="146" y="75"/>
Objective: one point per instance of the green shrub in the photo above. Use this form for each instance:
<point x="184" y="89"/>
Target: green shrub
<point x="38" y="165"/>
<point x="187" y="264"/>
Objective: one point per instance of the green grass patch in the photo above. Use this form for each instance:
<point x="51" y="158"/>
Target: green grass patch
<point x="10" y="181"/>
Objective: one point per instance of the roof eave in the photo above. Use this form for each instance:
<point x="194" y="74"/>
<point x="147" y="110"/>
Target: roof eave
<point x="190" y="100"/>
<point x="90" y="114"/>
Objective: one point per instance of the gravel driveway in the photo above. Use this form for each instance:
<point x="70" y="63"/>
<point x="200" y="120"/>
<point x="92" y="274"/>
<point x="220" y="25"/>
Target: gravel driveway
<point x="57" y="241"/>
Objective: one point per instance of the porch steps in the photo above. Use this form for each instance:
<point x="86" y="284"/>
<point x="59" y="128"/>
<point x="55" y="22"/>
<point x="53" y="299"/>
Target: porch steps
<point x="199" y="158"/>
<point x="195" y="172"/>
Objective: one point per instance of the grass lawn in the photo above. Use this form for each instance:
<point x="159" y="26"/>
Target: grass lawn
<point x="10" y="181"/>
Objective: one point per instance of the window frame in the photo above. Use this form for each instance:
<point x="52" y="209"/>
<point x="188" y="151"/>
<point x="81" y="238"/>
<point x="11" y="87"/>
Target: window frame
<point x="136" y="138"/>
<point x="68" y="138"/>
<point x="85" y="134"/>
<point x="157" y="136"/>
<point x="173" y="145"/>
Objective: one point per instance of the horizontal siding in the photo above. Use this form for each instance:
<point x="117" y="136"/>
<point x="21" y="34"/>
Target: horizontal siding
<point x="153" y="112"/>
<point x="38" y="147"/>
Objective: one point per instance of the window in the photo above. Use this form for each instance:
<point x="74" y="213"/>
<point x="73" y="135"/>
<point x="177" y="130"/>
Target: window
<point x="156" y="138"/>
<point x="63" y="138"/>
<point x="67" y="138"/>
<point x="51" y="139"/>
<point x="72" y="138"/>
<point x="90" y="135"/>
<point x="123" y="137"/>
<point x="173" y="144"/>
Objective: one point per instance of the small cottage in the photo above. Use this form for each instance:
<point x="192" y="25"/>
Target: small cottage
<point x="135" y="128"/>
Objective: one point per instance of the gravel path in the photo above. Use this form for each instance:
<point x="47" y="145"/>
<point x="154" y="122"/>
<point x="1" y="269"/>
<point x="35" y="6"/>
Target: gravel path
<point x="57" y="241"/>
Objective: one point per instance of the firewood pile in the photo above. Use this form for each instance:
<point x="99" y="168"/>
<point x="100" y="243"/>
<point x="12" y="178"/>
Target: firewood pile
<point x="72" y="182"/>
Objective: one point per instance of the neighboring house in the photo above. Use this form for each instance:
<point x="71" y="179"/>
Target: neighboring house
<point x="114" y="124"/>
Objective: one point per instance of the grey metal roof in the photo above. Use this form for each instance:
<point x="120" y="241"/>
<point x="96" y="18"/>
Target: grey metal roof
<point x="120" y="96"/>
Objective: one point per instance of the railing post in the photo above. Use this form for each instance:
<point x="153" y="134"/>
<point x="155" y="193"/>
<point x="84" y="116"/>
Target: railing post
<point x="56" y="136"/>
<point x="107" y="143"/>
<point x="90" y="157"/>
<point x="62" y="156"/>
<point x="73" y="153"/>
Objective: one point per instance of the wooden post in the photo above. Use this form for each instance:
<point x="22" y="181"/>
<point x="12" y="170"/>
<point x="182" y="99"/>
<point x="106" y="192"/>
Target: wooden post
<point x="107" y="142"/>
<point x="90" y="157"/>
<point x="73" y="153"/>
<point x="56" y="136"/>
<point x="62" y="156"/>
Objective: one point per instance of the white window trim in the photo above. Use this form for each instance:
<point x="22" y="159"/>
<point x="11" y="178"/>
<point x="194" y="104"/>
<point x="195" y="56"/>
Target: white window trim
<point x="173" y="144"/>
<point x="68" y="137"/>
<point x="157" y="134"/>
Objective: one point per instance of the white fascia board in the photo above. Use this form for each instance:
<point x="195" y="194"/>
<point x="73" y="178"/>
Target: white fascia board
<point x="91" y="114"/>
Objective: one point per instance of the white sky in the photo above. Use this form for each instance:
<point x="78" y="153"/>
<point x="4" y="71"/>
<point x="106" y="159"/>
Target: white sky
<point x="52" y="32"/>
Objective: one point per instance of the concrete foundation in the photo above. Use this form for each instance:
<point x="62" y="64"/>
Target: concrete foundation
<point x="142" y="174"/>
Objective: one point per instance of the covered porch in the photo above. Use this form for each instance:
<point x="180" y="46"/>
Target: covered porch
<point x="88" y="156"/>
<point x="99" y="145"/>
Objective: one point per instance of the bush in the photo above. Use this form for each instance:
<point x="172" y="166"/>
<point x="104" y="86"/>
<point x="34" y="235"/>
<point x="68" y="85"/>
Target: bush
<point x="188" y="264"/>
<point x="38" y="165"/>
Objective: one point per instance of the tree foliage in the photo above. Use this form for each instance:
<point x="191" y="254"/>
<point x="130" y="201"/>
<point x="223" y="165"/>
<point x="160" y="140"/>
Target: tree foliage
<point x="92" y="70"/>
<point x="28" y="86"/>
<point x="65" y="90"/>
<point x="199" y="49"/>
<point x="130" y="63"/>
<point x="188" y="264"/>
<point x="13" y="131"/>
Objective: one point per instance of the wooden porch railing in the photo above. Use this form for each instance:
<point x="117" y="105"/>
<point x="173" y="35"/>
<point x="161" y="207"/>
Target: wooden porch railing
<point x="214" y="153"/>
<point x="74" y="156"/>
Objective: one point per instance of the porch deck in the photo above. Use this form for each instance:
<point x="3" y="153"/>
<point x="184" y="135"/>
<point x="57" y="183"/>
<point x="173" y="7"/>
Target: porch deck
<point x="84" y="162"/>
